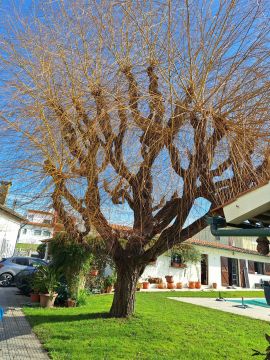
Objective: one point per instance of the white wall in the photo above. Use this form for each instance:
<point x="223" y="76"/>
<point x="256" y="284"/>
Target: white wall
<point x="9" y="228"/>
<point x="39" y="217"/>
<point x="30" y="237"/>
<point x="163" y="268"/>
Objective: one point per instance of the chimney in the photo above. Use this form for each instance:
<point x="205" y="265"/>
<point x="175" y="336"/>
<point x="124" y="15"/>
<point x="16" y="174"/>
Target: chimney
<point x="4" y="188"/>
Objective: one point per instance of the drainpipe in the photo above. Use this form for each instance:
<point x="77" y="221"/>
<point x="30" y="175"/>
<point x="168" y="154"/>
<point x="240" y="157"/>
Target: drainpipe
<point x="216" y="223"/>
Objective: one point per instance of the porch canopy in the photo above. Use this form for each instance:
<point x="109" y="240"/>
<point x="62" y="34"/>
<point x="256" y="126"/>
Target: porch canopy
<point x="247" y="215"/>
<point x="253" y="206"/>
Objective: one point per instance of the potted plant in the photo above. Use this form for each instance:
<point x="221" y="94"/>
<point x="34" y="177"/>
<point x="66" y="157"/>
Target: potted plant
<point x="145" y="285"/>
<point x="198" y="283"/>
<point x="179" y="285"/>
<point x="214" y="285"/>
<point x="170" y="286"/>
<point x="109" y="282"/>
<point x="34" y="295"/>
<point x="161" y="285"/>
<point x="71" y="302"/>
<point x="169" y="278"/>
<point x="191" y="284"/>
<point x="176" y="260"/>
<point x="48" y="277"/>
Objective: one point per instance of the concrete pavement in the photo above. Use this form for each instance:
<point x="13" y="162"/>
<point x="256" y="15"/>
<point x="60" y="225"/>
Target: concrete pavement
<point x="17" y="341"/>
<point x="255" y="312"/>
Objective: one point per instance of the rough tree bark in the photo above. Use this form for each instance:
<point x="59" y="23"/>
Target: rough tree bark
<point x="128" y="274"/>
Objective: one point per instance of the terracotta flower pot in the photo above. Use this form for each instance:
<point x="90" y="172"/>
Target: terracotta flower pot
<point x="94" y="272"/>
<point x="198" y="284"/>
<point x="34" y="298"/>
<point x="214" y="285"/>
<point x="71" y="303"/>
<point x="47" y="300"/>
<point x="109" y="289"/>
<point x="169" y="278"/>
<point x="160" y="286"/>
<point x="191" y="284"/>
<point x="170" y="286"/>
<point x="145" y="285"/>
<point x="179" y="285"/>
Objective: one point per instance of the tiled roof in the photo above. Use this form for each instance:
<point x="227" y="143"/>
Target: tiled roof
<point x="12" y="212"/>
<point x="217" y="245"/>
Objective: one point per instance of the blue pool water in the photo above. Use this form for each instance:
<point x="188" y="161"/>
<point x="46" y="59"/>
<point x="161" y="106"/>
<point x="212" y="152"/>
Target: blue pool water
<point x="255" y="302"/>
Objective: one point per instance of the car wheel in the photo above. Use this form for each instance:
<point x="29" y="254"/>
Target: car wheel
<point x="6" y="279"/>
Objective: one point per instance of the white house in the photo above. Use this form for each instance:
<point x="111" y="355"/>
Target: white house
<point x="39" y="226"/>
<point x="228" y="260"/>
<point x="10" y="224"/>
<point x="221" y="264"/>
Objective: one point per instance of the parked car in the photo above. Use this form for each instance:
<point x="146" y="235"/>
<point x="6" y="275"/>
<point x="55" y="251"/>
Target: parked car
<point x="10" y="267"/>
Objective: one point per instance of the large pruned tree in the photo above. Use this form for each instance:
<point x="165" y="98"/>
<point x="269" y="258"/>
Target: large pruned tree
<point x="148" y="105"/>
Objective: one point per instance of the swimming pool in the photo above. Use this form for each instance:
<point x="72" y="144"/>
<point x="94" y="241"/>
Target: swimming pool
<point x="255" y="302"/>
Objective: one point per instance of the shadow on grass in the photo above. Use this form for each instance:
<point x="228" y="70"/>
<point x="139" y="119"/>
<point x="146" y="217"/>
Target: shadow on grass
<point x="36" y="319"/>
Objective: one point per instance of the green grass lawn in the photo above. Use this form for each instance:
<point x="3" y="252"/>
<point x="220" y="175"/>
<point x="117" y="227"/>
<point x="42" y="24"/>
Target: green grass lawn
<point x="162" y="329"/>
<point x="26" y="247"/>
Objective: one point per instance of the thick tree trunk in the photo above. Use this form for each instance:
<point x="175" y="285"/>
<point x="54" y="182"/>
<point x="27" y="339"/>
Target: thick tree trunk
<point x="125" y="289"/>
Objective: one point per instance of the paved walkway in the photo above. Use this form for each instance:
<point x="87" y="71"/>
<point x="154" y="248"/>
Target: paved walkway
<point x="255" y="312"/>
<point x="17" y="341"/>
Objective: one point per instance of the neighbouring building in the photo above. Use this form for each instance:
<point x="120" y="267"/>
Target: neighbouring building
<point x="40" y="225"/>
<point x="10" y="223"/>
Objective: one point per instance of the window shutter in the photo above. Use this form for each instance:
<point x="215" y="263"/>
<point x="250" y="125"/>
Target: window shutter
<point x="251" y="267"/>
<point x="267" y="268"/>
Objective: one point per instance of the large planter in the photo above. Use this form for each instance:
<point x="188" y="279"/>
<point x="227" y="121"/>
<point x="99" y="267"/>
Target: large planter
<point x="47" y="300"/>
<point x="35" y="298"/>
<point x="179" y="285"/>
<point x="191" y="285"/>
<point x="169" y="278"/>
<point x="214" y="285"/>
<point x="145" y="285"/>
<point x="170" y="286"/>
<point x="198" y="284"/>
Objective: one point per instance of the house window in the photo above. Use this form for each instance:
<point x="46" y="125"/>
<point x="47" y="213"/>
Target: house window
<point x="259" y="268"/>
<point x="24" y="231"/>
<point x="37" y="232"/>
<point x="267" y="268"/>
<point x="46" y="221"/>
<point x="46" y="233"/>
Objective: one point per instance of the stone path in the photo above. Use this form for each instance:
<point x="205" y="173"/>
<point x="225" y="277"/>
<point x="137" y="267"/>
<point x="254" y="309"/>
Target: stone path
<point x="17" y="341"/>
<point x="255" y="312"/>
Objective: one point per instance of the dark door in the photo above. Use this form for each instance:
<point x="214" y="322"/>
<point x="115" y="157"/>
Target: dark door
<point x="224" y="271"/>
<point x="233" y="272"/>
<point x="242" y="275"/>
<point x="204" y="269"/>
